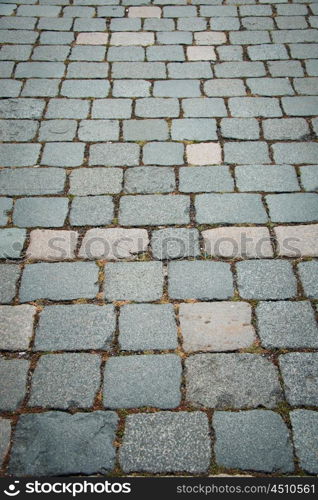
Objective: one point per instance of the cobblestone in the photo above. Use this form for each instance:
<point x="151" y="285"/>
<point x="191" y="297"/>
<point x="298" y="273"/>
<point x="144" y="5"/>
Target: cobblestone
<point x="300" y="373"/>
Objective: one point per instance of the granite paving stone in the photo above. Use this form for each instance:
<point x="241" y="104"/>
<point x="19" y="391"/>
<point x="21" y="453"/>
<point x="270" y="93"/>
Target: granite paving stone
<point x="149" y="180"/>
<point x="147" y="326"/>
<point x="160" y="376"/>
<point x="16" y="328"/>
<point x="14" y="372"/>
<point x="205" y="179"/>
<point x="5" y="434"/>
<point x="304" y="423"/>
<point x="308" y="273"/>
<point x="88" y="181"/>
<point x="297" y="241"/>
<point x="113" y="243"/>
<point x="43" y="212"/>
<point x="11" y="243"/>
<point x="154" y="210"/>
<point x="233" y="208"/>
<point x="234" y="242"/>
<point x="175" y="243"/>
<point x="300" y="373"/>
<point x="64" y="444"/>
<point x="9" y="276"/>
<point x="48" y="244"/>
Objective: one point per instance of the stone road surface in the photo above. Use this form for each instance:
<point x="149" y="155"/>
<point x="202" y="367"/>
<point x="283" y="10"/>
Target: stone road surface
<point x="158" y="281"/>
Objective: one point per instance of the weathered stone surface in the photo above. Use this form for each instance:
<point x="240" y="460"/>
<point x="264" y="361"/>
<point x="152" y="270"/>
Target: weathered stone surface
<point x="175" y="243"/>
<point x="160" y="376"/>
<point x="304" y="423"/>
<point x="252" y="440"/>
<point x="46" y="244"/>
<point x="11" y="243"/>
<point x="14" y="372"/>
<point x="218" y="326"/>
<point x="5" y="433"/>
<point x="166" y="442"/>
<point x="9" y="276"/>
<point x="63" y="444"/>
<point x="300" y="375"/>
<point x="232" y="381"/>
<point x="147" y="326"/>
<point x="250" y="242"/>
<point x="113" y="243"/>
<point x="16" y="327"/>
<point x="297" y="241"/>
<point x="75" y="327"/>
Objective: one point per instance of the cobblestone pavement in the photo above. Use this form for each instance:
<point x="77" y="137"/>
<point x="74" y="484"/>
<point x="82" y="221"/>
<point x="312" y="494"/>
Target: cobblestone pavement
<point x="158" y="281"/>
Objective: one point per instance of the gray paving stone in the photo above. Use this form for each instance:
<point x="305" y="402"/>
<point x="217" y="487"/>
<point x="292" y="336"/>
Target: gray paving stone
<point x="16" y="327"/>
<point x="59" y="281"/>
<point x="170" y="38"/>
<point x="224" y="87"/>
<point x="131" y="88"/>
<point x="110" y="11"/>
<point x="14" y="372"/>
<point x="98" y="130"/>
<point x="54" y="24"/>
<point x="147" y="326"/>
<point x="304" y="423"/>
<point x="145" y="130"/>
<point x="300" y="152"/>
<point x="193" y="129"/>
<point x="230" y="208"/>
<point x="65" y="380"/>
<point x="154" y="210"/>
<point x="85" y="88"/>
<point x="150" y="180"/>
<point x="95" y="181"/>
<point x="298" y="207"/>
<point x="125" y="54"/>
<point x="252" y="440"/>
<point x="54" y="38"/>
<point x="5" y="207"/>
<point x="15" y="52"/>
<point x="249" y="38"/>
<point x="31" y="181"/>
<point x="39" y="10"/>
<point x="163" y="153"/>
<point x="309" y="177"/>
<point x="255" y="10"/>
<point x="19" y="154"/>
<point x="311" y="67"/>
<point x="240" y="128"/>
<point x="6" y="68"/>
<point x="86" y="25"/>
<point x="87" y="70"/>
<point x="300" y="106"/>
<point x="43" y="212"/>
<point x="87" y="53"/>
<point x="57" y="130"/>
<point x="303" y="50"/>
<point x="287" y="128"/>
<point x="50" y="53"/>
<point x="81" y="327"/>
<point x="308" y="272"/>
<point x="300" y="375"/>
<point x="166" y="442"/>
<point x="175" y="243"/>
<point x="247" y="152"/>
<point x="287" y="324"/>
<point x="67" y="108"/>
<point x="257" y="23"/>
<point x="191" y="24"/>
<point x="9" y="276"/>
<point x="266" y="279"/>
<point x="91" y="211"/>
<point x="266" y="178"/>
<point x="205" y="179"/>
<point x="64" y="444"/>
<point x="10" y="88"/>
<point x="63" y="154"/>
<point x="111" y="108"/>
<point x="177" y="88"/>
<point x="232" y="381"/>
<point x="295" y="36"/>
<point x="114" y="154"/>
<point x="137" y="281"/>
<point x="254" y="106"/>
<point x="138" y="70"/>
<point x="189" y="70"/>
<point x="11" y="242"/>
<point x="285" y="68"/>
<point x="44" y="87"/>
<point x="39" y="70"/>
<point x="160" y="376"/>
<point x="201" y="280"/>
<point x="157" y="108"/>
<point x="216" y="326"/>
<point x="165" y="53"/>
<point x="5" y="434"/>
<point x="230" y="52"/>
<point x="204" y="107"/>
<point x="224" y="23"/>
<point x="21" y="36"/>
<point x="159" y="25"/>
<point x="270" y="86"/>
<point x="124" y="24"/>
<point x="183" y="11"/>
<point x="79" y="12"/>
<point x="267" y="52"/>
<point x="17" y="23"/>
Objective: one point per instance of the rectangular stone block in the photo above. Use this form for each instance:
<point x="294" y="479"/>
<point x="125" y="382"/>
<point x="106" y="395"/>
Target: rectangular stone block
<point x="205" y="179"/>
<point x="114" y="154"/>
<point x="247" y="152"/>
<point x="266" y="178"/>
<point x="113" y="243"/>
<point x="238" y="242"/>
<point x="233" y="208"/>
<point x="157" y="108"/>
<point x="293" y="207"/>
<point x="16" y="328"/>
<point x="154" y="210"/>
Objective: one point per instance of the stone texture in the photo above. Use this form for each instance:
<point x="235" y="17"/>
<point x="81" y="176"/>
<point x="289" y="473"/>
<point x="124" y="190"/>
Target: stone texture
<point x="205" y="179"/>
<point x="46" y="244"/>
<point x="232" y="381"/>
<point x="302" y="207"/>
<point x="253" y="440"/>
<point x="16" y="328"/>
<point x="233" y="208"/>
<point x="160" y="376"/>
<point x="201" y="280"/>
<point x="250" y="242"/>
<point x="43" y="212"/>
<point x="297" y="241"/>
<point x="150" y="180"/>
<point x="116" y="154"/>
<point x="203" y="154"/>
<point x="268" y="178"/>
<point x="75" y="327"/>
<point x="64" y="444"/>
<point x="166" y="442"/>
<point x="154" y="210"/>
<point x="266" y="279"/>
<point x="220" y="326"/>
<point x="113" y="243"/>
<point x="65" y="381"/>
<point x="147" y="326"/>
<point x="304" y="423"/>
<point x="9" y="276"/>
<point x="300" y="375"/>
<point x="59" y="281"/>
<point x="308" y="272"/>
<point x="137" y="281"/>
<point x="11" y="243"/>
<point x="87" y="181"/>
<point x="175" y="243"/>
<point x="5" y="433"/>
<point x="14" y="372"/>
<point x="287" y="325"/>
<point x="92" y="211"/>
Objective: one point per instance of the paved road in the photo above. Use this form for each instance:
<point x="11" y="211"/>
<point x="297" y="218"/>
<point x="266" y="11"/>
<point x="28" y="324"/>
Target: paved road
<point x="158" y="213"/>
